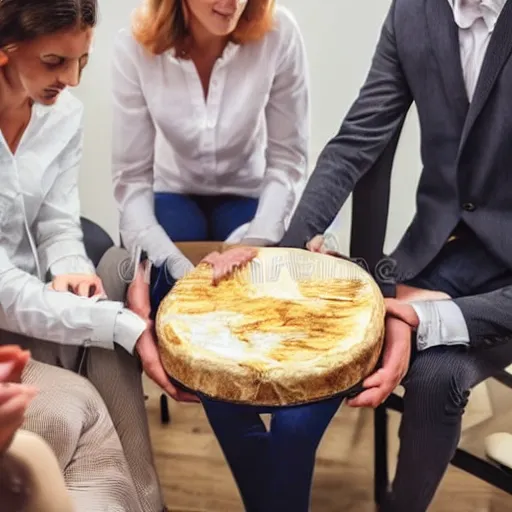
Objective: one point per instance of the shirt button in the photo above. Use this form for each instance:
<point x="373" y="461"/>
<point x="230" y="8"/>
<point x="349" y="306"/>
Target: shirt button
<point x="469" y="207"/>
<point x="211" y="124"/>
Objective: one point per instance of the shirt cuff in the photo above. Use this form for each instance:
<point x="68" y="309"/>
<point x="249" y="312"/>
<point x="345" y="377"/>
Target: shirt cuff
<point x="127" y="329"/>
<point x="441" y="323"/>
<point x="72" y="265"/>
<point x="103" y="316"/>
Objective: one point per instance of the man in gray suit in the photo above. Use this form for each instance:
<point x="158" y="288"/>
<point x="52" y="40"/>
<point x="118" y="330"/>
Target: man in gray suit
<point x="453" y="59"/>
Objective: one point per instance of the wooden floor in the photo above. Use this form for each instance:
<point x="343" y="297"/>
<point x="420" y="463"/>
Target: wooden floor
<point x="195" y="477"/>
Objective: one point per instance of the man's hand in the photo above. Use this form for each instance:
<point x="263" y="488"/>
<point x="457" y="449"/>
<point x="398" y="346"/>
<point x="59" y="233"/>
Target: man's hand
<point x="401" y="320"/>
<point x="319" y="243"/>
<point x="84" y="285"/>
<point x="405" y="293"/>
<point x="147" y="349"/>
<point x="14" y="397"/>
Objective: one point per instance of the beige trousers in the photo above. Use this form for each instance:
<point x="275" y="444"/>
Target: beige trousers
<point x="95" y="423"/>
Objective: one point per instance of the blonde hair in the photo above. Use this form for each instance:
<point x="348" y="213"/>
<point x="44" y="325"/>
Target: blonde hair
<point x="159" y="25"/>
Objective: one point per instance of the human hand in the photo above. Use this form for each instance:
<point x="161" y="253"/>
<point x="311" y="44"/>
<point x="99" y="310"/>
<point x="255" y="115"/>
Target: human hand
<point x="14" y="397"/>
<point x="138" y="294"/>
<point x="84" y="285"/>
<point x="12" y="362"/>
<point x="400" y="321"/>
<point x="146" y="347"/>
<point x="320" y="244"/>
<point x="14" y="400"/>
<point x="406" y="293"/>
<point x="225" y="263"/>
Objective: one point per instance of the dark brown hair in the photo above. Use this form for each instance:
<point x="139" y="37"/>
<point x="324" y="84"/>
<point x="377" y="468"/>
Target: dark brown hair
<point x="24" y="20"/>
<point x="160" y="25"/>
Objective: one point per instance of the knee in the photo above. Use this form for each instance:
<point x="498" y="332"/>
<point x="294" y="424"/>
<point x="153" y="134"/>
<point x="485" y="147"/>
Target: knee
<point x="439" y="385"/>
<point x="63" y="409"/>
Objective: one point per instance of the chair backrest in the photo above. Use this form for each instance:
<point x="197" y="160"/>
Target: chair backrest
<point x="370" y="209"/>
<point x="96" y="240"/>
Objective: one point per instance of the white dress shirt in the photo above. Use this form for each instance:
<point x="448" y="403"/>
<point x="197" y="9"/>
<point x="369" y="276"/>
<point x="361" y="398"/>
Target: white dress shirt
<point x="40" y="231"/>
<point x="249" y="137"/>
<point x="442" y="322"/>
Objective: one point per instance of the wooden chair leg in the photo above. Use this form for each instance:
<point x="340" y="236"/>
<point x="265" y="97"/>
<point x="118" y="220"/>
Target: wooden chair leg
<point x="165" y="416"/>
<point x="381" y="478"/>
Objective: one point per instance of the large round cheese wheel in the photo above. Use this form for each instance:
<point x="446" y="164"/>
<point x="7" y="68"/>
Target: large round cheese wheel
<point x="291" y="327"/>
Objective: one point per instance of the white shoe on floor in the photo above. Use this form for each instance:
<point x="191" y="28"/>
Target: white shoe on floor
<point x="498" y="448"/>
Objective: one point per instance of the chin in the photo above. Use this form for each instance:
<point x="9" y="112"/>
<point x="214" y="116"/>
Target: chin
<point x="44" y="99"/>
<point x="223" y="28"/>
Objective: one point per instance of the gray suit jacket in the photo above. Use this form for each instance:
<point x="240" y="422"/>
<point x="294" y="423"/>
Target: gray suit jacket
<point x="466" y="149"/>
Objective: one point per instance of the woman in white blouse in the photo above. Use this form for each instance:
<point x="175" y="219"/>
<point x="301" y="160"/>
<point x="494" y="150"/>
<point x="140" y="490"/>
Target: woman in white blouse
<point x="211" y="129"/>
<point x="211" y="125"/>
<point x="44" y="47"/>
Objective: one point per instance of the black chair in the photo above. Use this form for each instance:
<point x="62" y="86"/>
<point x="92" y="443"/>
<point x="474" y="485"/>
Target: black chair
<point x="96" y="240"/>
<point x="370" y="208"/>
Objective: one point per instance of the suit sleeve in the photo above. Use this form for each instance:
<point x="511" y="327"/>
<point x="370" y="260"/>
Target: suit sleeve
<point x="371" y="122"/>
<point x="488" y="317"/>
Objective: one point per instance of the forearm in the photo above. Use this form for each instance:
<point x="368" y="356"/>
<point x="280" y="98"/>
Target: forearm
<point x="374" y="118"/>
<point x="476" y="321"/>
<point x="275" y="205"/>
<point x="488" y="317"/>
<point x="29" y="307"/>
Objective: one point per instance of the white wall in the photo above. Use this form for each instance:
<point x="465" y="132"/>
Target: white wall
<point x="340" y="39"/>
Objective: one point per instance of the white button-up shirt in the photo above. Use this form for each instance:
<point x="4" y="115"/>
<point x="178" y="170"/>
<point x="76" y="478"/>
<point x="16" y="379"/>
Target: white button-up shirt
<point x="249" y="137"/>
<point x="40" y="231"/>
<point x="476" y="20"/>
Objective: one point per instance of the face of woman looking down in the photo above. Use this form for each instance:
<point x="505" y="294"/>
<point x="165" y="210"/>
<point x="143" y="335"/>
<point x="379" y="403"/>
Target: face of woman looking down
<point x="45" y="66"/>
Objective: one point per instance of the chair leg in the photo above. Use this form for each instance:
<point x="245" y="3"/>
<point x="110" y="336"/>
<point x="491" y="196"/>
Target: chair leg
<point x="381" y="478"/>
<point x="165" y="416"/>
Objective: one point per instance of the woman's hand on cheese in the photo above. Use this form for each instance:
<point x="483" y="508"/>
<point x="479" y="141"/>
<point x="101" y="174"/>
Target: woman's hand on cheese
<point x="225" y="263"/>
<point x="84" y="285"/>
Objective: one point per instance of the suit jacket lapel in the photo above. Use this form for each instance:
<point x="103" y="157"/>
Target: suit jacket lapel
<point x="496" y="55"/>
<point x="444" y="38"/>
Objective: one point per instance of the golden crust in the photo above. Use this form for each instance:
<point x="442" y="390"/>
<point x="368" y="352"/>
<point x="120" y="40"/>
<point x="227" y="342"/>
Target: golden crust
<point x="342" y="345"/>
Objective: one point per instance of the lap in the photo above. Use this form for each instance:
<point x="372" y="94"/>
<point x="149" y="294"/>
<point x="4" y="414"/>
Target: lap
<point x="200" y="218"/>
<point x="181" y="217"/>
<point x="65" y="406"/>
<point x="435" y="369"/>
<point x="227" y="213"/>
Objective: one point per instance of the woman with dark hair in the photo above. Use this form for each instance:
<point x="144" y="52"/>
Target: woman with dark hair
<point x="44" y="47"/>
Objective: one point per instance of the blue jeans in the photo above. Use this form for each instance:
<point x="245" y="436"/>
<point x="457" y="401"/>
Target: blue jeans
<point x="193" y="218"/>
<point x="273" y="469"/>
